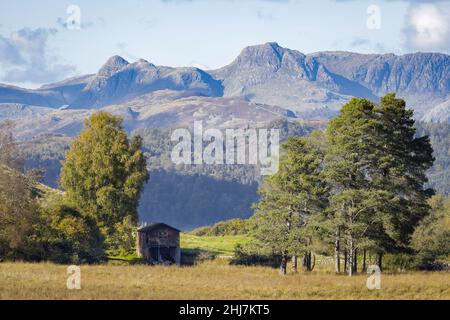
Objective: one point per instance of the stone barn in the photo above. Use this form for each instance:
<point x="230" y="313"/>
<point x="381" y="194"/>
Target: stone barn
<point x="159" y="243"/>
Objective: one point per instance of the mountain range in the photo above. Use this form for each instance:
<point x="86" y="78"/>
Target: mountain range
<point x="265" y="82"/>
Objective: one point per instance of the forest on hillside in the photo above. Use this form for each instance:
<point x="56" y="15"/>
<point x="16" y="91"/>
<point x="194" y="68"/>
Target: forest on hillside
<point x="215" y="192"/>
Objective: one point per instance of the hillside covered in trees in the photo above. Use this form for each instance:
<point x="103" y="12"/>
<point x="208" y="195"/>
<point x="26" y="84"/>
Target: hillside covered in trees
<point x="215" y="192"/>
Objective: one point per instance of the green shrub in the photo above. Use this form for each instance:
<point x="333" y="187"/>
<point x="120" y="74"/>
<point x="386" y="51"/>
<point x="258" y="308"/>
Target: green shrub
<point x="400" y="262"/>
<point x="64" y="235"/>
<point x="247" y="255"/>
<point x="431" y="239"/>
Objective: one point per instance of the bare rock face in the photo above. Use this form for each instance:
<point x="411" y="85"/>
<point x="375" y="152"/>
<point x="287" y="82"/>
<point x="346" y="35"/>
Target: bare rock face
<point x="422" y="79"/>
<point x="419" y="72"/>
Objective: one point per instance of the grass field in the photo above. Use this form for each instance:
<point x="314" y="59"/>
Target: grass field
<point x="210" y="279"/>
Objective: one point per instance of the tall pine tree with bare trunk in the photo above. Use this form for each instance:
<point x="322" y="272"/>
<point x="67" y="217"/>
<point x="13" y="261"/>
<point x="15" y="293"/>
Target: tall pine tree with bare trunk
<point x="290" y="200"/>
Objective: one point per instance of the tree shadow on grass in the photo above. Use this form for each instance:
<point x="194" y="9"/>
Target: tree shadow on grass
<point x="190" y="257"/>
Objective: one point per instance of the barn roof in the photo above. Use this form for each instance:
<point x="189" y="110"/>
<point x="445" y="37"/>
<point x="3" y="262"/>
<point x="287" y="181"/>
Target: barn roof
<point x="155" y="225"/>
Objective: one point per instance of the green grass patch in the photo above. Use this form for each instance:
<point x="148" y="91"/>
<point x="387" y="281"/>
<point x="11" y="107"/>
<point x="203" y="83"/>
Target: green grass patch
<point x="215" y="245"/>
<point x="193" y="249"/>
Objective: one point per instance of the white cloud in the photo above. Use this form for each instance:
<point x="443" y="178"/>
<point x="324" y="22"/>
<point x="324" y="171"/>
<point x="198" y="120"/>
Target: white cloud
<point x="428" y="27"/>
<point x="24" y="58"/>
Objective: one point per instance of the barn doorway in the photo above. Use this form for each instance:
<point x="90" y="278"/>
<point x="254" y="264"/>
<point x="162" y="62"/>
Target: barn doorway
<point x="163" y="254"/>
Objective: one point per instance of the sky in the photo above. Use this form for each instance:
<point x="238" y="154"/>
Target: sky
<point x="46" y="41"/>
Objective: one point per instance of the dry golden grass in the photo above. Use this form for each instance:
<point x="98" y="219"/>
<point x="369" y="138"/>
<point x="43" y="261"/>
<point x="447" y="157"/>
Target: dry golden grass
<point x="209" y="281"/>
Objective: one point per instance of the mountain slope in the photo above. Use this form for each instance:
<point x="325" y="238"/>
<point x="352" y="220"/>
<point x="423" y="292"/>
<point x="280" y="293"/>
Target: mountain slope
<point x="440" y="113"/>
<point x="160" y="109"/>
<point x="382" y="73"/>
<point x="39" y="97"/>
<point x="423" y="79"/>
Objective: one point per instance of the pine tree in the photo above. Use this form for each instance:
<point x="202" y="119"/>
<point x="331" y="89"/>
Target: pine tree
<point x="402" y="162"/>
<point x="289" y="201"/>
<point x="351" y="141"/>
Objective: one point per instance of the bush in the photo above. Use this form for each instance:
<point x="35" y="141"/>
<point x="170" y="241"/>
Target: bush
<point x="400" y="262"/>
<point x="64" y="235"/>
<point x="431" y="237"/>
<point x="249" y="256"/>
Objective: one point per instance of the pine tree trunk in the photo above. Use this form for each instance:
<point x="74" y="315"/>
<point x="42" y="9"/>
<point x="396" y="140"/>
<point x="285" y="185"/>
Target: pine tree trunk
<point x="294" y="264"/>
<point x="305" y="261"/>
<point x="337" y="262"/>
<point x="345" y="260"/>
<point x="364" y="267"/>
<point x="380" y="261"/>
<point x="355" y="261"/>
<point x="308" y="267"/>
<point x="283" y="265"/>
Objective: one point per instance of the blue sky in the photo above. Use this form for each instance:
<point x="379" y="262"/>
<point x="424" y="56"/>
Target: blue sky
<point x="37" y="47"/>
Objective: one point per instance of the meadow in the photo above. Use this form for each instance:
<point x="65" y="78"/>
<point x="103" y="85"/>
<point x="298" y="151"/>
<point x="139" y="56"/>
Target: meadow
<point x="211" y="279"/>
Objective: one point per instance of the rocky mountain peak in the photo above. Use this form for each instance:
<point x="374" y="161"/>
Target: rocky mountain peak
<point x="112" y="65"/>
<point x="266" y="54"/>
<point x="269" y="57"/>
